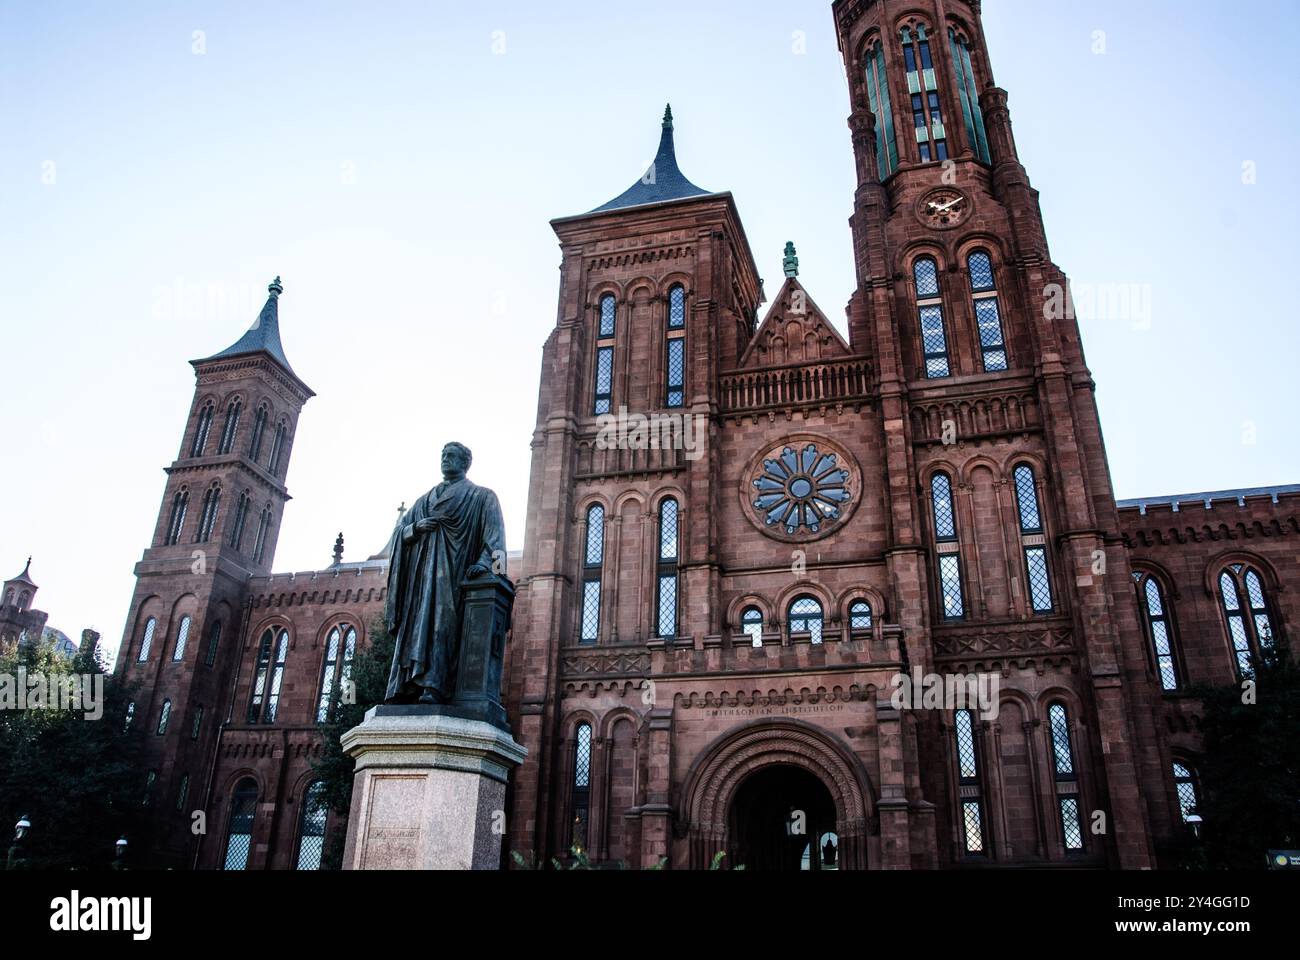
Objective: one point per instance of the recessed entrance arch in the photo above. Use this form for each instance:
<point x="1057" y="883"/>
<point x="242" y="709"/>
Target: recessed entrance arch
<point x="793" y="758"/>
<point x="783" y="819"/>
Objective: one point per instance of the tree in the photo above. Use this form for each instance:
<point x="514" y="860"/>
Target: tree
<point x="333" y="767"/>
<point x="75" y="776"/>
<point x="1250" y="769"/>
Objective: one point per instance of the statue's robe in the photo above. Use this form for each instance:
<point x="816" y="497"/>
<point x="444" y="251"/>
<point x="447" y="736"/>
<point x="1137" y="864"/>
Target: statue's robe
<point x="424" y="578"/>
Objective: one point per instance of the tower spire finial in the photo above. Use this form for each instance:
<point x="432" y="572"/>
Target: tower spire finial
<point x="275" y="289"/>
<point x="668" y="116"/>
<point x="791" y="261"/>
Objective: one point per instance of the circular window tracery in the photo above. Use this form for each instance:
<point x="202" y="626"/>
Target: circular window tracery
<point x="802" y="490"/>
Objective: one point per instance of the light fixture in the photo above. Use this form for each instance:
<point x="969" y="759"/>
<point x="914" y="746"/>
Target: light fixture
<point x="21" y="827"/>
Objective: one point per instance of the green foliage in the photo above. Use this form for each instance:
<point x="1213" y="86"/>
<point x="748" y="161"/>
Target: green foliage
<point x="333" y="767"/>
<point x="1250" y="769"/>
<point x="78" y="779"/>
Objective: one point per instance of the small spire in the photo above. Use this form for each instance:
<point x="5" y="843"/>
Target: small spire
<point x="338" y="549"/>
<point x="791" y="261"/>
<point x="275" y="289"/>
<point x="668" y="117"/>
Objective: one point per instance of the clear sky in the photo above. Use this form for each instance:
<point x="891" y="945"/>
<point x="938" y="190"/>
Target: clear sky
<point x="397" y="163"/>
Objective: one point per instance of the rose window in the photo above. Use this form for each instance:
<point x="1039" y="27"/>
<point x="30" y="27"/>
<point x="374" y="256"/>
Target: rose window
<point x="802" y="491"/>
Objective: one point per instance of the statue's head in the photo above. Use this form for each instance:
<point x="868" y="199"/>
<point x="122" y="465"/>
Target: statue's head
<point x="456" y="459"/>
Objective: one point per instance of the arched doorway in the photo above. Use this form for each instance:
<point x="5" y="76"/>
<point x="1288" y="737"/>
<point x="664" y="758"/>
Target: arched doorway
<point x="783" y="819"/>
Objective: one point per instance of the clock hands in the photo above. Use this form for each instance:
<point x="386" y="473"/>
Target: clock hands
<point x="937" y="208"/>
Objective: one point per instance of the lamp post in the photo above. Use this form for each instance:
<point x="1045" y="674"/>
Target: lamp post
<point x="21" y="829"/>
<point x="119" y="853"/>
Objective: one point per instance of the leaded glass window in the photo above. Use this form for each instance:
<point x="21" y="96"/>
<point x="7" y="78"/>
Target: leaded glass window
<point x="1155" y="611"/>
<point x="988" y="314"/>
<point x="594" y="557"/>
<point x="676" y="370"/>
<point x="967" y="761"/>
<point x="1185" y="784"/>
<point x="878" y="98"/>
<point x="340" y="649"/>
<point x="231" y="427"/>
<point x="202" y="429"/>
<point x="214" y="641"/>
<point x="241" y="517"/>
<point x="180" y="504"/>
<point x="604" y="380"/>
<point x="197" y="724"/>
<point x="1246" y="609"/>
<point x="954" y="604"/>
<point x="183" y="792"/>
<point x="581" y="785"/>
<point x="1071" y="828"/>
<point x="311" y="829"/>
<point x="277" y="448"/>
<point x="146" y="641"/>
<point x="668" y="555"/>
<point x="1062" y="751"/>
<point x="264" y="700"/>
<point x="239" y="832"/>
<point x="751" y="622"/>
<point x="859" y="617"/>
<point x="1031" y="519"/>
<point x="972" y="114"/>
<point x="208" y="519"/>
<point x="259" y="429"/>
<point x="182" y="638"/>
<point x="923" y="86"/>
<point x="945" y="523"/>
<point x="972" y="822"/>
<point x="164" y="715"/>
<point x="806" y="617"/>
<point x="677" y="308"/>
<point x="608" y="316"/>
<point x="968" y="775"/>
<point x="263" y="530"/>
<point x="1040" y="581"/>
<point x="934" y="334"/>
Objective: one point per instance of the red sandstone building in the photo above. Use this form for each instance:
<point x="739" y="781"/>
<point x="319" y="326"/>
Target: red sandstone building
<point x="708" y="629"/>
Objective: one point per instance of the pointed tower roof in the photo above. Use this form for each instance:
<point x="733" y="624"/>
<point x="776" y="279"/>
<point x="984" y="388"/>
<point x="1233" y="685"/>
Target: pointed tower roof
<point x="25" y="576"/>
<point x="264" y="335"/>
<point x="663" y="181"/>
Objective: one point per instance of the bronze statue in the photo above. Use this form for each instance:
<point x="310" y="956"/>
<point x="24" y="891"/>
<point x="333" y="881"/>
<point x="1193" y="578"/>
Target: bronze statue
<point x="452" y="534"/>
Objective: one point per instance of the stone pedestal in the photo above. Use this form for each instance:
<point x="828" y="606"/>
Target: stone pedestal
<point x="430" y="791"/>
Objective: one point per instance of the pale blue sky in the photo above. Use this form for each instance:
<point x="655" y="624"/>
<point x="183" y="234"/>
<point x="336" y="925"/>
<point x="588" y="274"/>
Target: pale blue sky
<point x="398" y="163"/>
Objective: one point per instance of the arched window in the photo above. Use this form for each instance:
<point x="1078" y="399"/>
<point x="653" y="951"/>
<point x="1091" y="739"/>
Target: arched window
<point x="593" y="561"/>
<point x="259" y="430"/>
<point x="183" y="791"/>
<point x="201" y="430"/>
<point x="922" y="82"/>
<point x="860" y="617"/>
<point x="970" y="100"/>
<point x="988" y="315"/>
<point x="1246" y="607"/>
<point x="605" y="354"/>
<point x="182" y="638"/>
<point x="311" y="828"/>
<point x="806" y="617"/>
<point x="239" y="832"/>
<point x="675" y="365"/>
<point x="581" y="786"/>
<point x="1185" y="784"/>
<point x="214" y="641"/>
<point x="1155" y="614"/>
<point x="164" y="715"/>
<point x="1038" y="575"/>
<point x="180" y="503"/>
<point x="340" y="649"/>
<point x="24" y="600"/>
<point x="277" y="448"/>
<point x="968" y="775"/>
<point x="1067" y="781"/>
<point x="263" y="534"/>
<point x="150" y="779"/>
<point x="241" y="517"/>
<point x="934" y="333"/>
<point x="231" y="427"/>
<point x="666" y="621"/>
<point x="879" y="100"/>
<point x="264" y="700"/>
<point x="945" y="533"/>
<point x="146" y="641"/>
<point x="751" y="624"/>
<point x="196" y="725"/>
<point x="208" y="519"/>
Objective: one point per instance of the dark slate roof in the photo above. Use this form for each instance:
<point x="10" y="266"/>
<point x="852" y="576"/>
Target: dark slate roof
<point x="23" y="577"/>
<point x="1206" y="499"/>
<point x="663" y="181"/>
<point x="264" y="335"/>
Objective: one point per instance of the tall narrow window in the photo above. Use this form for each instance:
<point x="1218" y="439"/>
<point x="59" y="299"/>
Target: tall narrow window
<point x="239" y="832"/>
<point x="130" y="716"/>
<point x="208" y="519"/>
<point x="667" y="569"/>
<point x="581" y="786"/>
<point x="806" y="617"/>
<point x="879" y="100"/>
<point x="180" y="504"/>
<point x="1246" y="608"/>
<point x="263" y="530"/>
<point x="259" y="430"/>
<point x="751" y="624"/>
<point x="150" y="779"/>
<point x="675" y="364"/>
<point x="923" y="86"/>
<point x="241" y="517"/>
<point x="1037" y="573"/>
<point x="196" y="725"/>
<point x="934" y="334"/>
<point x="202" y="429"/>
<point x="182" y="638"/>
<point x="214" y="641"/>
<point x="945" y="533"/>
<point x="988" y="315"/>
<point x="1188" y="792"/>
<point x="340" y="648"/>
<point x="1155" y="613"/>
<point x="1067" y="792"/>
<point x="264" y="700"/>
<point x="146" y="641"/>
<point x="604" y="390"/>
<point x="969" y="787"/>
<point x="971" y="112"/>
<point x="164" y="716"/>
<point x="277" y="448"/>
<point x="231" y="428"/>
<point x="593" y="561"/>
<point x="183" y="792"/>
<point x="311" y="829"/>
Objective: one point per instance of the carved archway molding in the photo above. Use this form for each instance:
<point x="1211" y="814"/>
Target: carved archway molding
<point x="717" y="774"/>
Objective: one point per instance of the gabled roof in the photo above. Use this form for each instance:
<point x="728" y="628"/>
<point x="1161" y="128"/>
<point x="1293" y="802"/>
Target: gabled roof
<point x="662" y="182"/>
<point x="263" y="336"/>
<point x="793" y="312"/>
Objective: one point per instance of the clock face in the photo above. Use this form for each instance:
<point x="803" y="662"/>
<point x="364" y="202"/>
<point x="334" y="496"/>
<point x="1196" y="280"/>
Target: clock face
<point x="945" y="207"/>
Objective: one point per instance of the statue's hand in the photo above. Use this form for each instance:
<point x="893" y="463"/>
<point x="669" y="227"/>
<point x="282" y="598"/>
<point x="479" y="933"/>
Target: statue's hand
<point x="479" y="570"/>
<point x="426" y="526"/>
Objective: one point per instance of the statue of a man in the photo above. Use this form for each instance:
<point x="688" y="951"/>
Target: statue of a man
<point x="453" y="533"/>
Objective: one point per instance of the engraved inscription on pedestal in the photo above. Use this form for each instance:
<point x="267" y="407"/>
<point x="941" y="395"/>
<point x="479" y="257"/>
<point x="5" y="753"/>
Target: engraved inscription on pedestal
<point x="394" y="836"/>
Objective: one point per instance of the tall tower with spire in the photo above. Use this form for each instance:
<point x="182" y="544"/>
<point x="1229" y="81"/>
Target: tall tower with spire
<point x="18" y="619"/>
<point x="217" y="526"/>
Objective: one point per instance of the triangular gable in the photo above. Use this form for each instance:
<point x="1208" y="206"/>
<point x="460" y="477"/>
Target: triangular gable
<point x="794" y="331"/>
